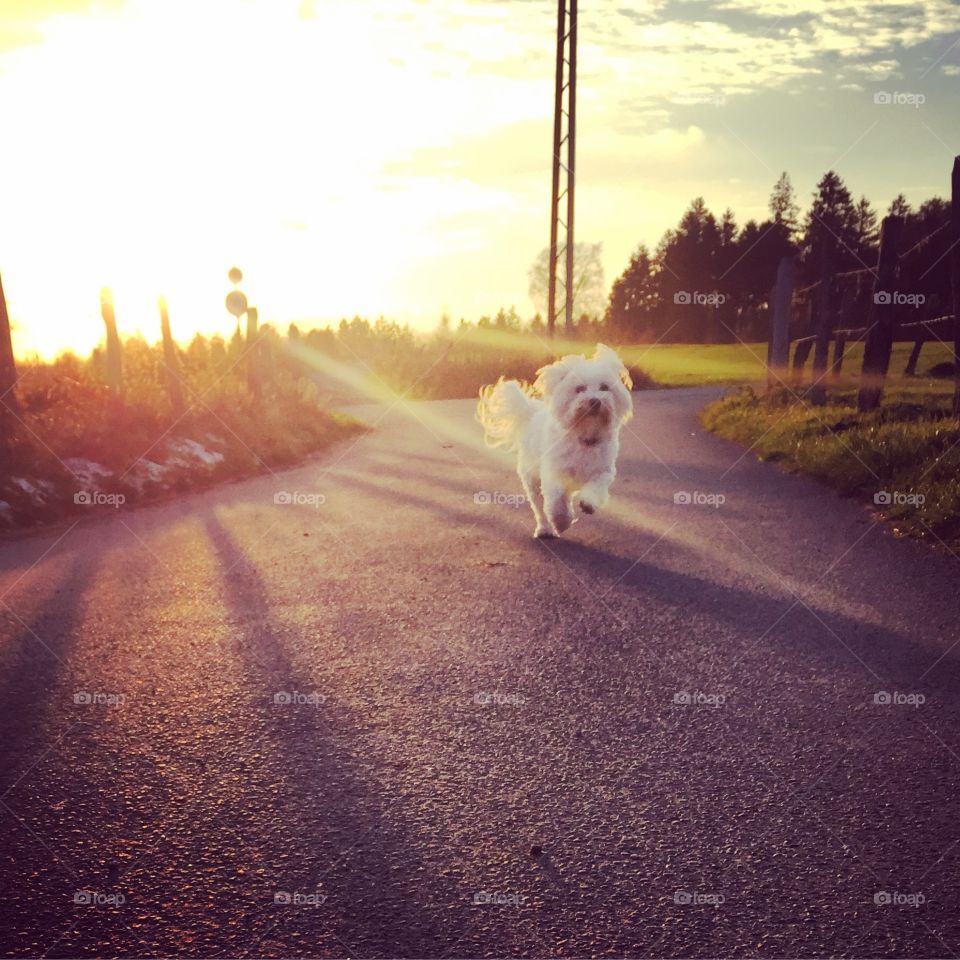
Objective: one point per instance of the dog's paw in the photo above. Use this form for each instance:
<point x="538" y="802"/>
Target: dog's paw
<point x="544" y="533"/>
<point x="562" y="521"/>
<point x="592" y="498"/>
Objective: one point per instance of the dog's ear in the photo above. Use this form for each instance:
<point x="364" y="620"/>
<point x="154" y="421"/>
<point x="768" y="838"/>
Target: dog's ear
<point x="609" y="357"/>
<point x="550" y="376"/>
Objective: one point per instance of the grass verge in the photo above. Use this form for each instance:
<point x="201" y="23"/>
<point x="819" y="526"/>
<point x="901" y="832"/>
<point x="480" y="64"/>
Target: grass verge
<point x="80" y="452"/>
<point x="903" y="459"/>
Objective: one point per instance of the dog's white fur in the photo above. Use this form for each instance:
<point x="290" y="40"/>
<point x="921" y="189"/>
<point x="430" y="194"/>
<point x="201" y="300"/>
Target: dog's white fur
<point x="566" y="432"/>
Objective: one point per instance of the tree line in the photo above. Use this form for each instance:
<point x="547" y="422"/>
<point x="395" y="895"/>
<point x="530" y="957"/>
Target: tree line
<point x="709" y="280"/>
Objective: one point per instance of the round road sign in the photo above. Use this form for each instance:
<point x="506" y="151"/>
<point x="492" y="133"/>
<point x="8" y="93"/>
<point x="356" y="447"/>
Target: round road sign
<point x="236" y="303"/>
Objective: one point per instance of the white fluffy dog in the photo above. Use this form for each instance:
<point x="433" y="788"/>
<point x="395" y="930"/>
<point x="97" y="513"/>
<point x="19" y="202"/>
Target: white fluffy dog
<point x="566" y="431"/>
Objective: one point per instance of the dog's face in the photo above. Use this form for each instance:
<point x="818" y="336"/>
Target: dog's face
<point x="588" y="396"/>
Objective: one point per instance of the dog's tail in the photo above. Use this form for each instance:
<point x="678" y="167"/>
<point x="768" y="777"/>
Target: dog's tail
<point x="504" y="410"/>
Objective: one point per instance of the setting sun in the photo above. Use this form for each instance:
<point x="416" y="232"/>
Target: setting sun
<point x="159" y="143"/>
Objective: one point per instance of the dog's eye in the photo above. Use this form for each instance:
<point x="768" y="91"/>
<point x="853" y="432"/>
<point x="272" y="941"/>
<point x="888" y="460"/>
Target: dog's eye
<point x="603" y="386"/>
<point x="580" y="389"/>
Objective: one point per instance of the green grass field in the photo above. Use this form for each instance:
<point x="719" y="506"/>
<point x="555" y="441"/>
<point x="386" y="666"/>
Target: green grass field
<point x="458" y="365"/>
<point x="695" y="365"/>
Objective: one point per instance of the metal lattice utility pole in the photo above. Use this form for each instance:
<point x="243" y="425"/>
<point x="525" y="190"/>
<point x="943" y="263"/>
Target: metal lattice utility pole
<point x="564" y="133"/>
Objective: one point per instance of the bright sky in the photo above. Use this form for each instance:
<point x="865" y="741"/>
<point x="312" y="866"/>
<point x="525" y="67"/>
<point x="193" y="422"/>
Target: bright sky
<point x="393" y="157"/>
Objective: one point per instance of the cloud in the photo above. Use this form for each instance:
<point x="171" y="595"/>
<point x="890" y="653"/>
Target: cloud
<point x="877" y="71"/>
<point x="25" y="22"/>
<point x="670" y="144"/>
<point x="291" y="133"/>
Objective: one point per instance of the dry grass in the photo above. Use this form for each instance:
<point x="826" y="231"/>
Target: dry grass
<point x="68" y="417"/>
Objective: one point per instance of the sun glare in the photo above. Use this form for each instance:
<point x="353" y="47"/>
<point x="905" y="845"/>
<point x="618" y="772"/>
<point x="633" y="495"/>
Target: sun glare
<point x="157" y="144"/>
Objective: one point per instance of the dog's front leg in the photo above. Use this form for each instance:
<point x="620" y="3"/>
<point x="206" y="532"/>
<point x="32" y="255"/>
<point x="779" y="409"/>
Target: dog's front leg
<point x="531" y="485"/>
<point x="557" y="503"/>
<point x="595" y="494"/>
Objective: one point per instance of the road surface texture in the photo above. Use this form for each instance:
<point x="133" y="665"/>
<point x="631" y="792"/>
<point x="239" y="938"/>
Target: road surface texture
<point x="380" y="720"/>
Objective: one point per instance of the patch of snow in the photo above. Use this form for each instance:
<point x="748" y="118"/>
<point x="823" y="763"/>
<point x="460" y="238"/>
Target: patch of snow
<point x="34" y="493"/>
<point x="87" y="472"/>
<point x="145" y="472"/>
<point x="151" y="470"/>
<point x="186" y="453"/>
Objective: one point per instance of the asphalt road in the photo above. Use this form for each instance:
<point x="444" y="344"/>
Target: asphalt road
<point x="657" y="737"/>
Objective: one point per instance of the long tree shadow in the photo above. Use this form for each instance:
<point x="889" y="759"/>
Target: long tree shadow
<point x="40" y="648"/>
<point x="36" y="713"/>
<point x="379" y="892"/>
<point x="808" y="630"/>
<point x="404" y="495"/>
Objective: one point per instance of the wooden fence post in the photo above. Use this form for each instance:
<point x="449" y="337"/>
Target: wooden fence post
<point x="821" y="356"/>
<point x="9" y="408"/>
<point x="839" y="348"/>
<point x="800" y="356"/>
<point x="114" y="350"/>
<point x="883" y="313"/>
<point x="781" y="301"/>
<point x="911" y="368"/>
<point x="171" y="362"/>
<point x="955" y="278"/>
<point x="254" y="349"/>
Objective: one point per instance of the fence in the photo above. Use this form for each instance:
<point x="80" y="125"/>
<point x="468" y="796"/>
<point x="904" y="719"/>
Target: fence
<point x="257" y="358"/>
<point x="867" y="305"/>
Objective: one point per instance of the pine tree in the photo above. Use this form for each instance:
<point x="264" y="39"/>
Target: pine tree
<point x="783" y="205"/>
<point x="830" y="228"/>
<point x="689" y="262"/>
<point x="867" y="230"/>
<point x="899" y="207"/>
<point x="728" y="228"/>
<point x="632" y="298"/>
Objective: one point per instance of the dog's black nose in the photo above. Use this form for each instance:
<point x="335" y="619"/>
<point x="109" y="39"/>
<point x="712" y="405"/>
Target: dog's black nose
<point x="594" y="403"/>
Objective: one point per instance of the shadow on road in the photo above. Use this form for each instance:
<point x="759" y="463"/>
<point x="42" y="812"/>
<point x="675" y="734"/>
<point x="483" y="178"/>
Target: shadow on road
<point x="40" y="647"/>
<point x="39" y="712"/>
<point x="816" y="635"/>
<point x="887" y="658"/>
<point x="378" y="897"/>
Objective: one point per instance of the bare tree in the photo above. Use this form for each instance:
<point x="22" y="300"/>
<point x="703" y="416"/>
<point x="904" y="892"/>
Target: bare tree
<point x="589" y="287"/>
